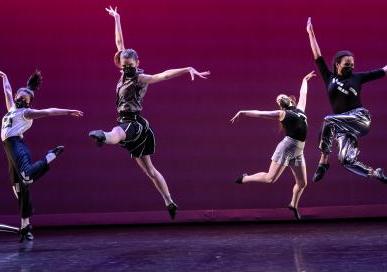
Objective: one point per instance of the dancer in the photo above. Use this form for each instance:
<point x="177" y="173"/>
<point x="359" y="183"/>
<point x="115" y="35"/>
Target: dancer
<point x="133" y="131"/>
<point x="350" y="120"/>
<point x="290" y="151"/>
<point x="22" y="171"/>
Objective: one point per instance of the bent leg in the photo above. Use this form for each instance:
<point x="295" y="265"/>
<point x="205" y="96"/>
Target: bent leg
<point x="275" y="171"/>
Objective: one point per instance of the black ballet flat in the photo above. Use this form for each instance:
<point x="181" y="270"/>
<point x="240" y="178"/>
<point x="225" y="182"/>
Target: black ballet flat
<point x="296" y="212"/>
<point x="98" y="136"/>
<point x="320" y="172"/>
<point x="239" y="179"/>
<point x="172" y="208"/>
<point x="26" y="234"/>
<point x="57" y="150"/>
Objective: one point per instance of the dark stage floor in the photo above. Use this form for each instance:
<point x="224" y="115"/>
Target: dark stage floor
<point x="313" y="246"/>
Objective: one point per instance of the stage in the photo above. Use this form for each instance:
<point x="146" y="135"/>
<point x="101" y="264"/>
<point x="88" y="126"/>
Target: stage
<point x="341" y="245"/>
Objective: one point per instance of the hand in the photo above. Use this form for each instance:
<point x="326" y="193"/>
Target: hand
<point x="3" y="75"/>
<point x="309" y="76"/>
<point x="112" y="12"/>
<point x="75" y="113"/>
<point x="194" y="73"/>
<point x="309" y="26"/>
<point x="236" y="116"/>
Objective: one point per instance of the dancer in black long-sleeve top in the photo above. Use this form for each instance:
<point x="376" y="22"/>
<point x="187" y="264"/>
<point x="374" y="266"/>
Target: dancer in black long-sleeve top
<point x="350" y="120"/>
<point x="22" y="171"/>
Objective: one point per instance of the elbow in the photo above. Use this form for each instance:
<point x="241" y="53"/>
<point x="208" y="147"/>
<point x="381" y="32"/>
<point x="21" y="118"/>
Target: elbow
<point x="120" y="45"/>
<point x="49" y="112"/>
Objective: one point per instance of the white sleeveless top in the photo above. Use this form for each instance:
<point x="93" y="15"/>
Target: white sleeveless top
<point x="14" y="123"/>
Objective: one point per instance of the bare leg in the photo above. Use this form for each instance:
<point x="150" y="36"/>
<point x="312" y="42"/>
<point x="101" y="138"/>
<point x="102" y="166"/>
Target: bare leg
<point x="274" y="173"/>
<point x="158" y="180"/>
<point x="299" y="173"/>
<point x="116" y="135"/>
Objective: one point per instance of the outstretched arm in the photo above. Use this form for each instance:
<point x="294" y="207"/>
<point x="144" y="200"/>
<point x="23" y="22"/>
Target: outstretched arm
<point x="35" y="114"/>
<point x="312" y="38"/>
<point x="277" y="114"/>
<point x="168" y="74"/>
<point x="7" y="91"/>
<point x="118" y="29"/>
<point x="304" y="91"/>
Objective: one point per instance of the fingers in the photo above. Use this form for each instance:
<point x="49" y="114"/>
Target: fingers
<point x="203" y="74"/>
<point x="77" y="113"/>
<point x="192" y="75"/>
<point x="111" y="11"/>
<point x="310" y="75"/>
<point x="234" y="118"/>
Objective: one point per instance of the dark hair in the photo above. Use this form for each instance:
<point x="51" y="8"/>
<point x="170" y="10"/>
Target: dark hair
<point x="127" y="54"/>
<point x="33" y="84"/>
<point x="337" y="58"/>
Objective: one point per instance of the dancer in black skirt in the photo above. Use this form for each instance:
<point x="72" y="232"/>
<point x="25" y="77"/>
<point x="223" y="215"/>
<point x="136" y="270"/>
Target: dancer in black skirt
<point x="290" y="151"/>
<point x="350" y="120"/>
<point x="133" y="131"/>
<point x="22" y="171"/>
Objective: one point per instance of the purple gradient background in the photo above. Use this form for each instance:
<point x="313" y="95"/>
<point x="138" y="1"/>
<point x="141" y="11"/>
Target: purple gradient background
<point x="255" y="50"/>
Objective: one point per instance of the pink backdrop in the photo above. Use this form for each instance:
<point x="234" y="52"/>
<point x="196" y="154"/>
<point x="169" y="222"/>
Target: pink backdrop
<point x="254" y="49"/>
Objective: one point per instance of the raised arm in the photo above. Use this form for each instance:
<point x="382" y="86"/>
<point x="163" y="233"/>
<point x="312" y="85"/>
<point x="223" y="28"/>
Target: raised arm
<point x="312" y="38"/>
<point x="304" y="91"/>
<point x="277" y="114"/>
<point x="35" y="114"/>
<point x="168" y="74"/>
<point x="118" y="30"/>
<point x="7" y="91"/>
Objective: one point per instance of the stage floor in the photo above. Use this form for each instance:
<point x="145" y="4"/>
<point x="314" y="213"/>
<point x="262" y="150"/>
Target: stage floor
<point x="290" y="246"/>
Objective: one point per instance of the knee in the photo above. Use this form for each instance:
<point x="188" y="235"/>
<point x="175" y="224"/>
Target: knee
<point x="302" y="185"/>
<point x="347" y="156"/>
<point x="328" y="119"/>
<point x="118" y="133"/>
<point x="342" y="157"/>
<point x="271" y="179"/>
<point x="151" y="172"/>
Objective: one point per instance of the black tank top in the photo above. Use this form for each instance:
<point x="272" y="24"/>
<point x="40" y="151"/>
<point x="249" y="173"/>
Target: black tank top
<point x="295" y="124"/>
<point x="130" y="93"/>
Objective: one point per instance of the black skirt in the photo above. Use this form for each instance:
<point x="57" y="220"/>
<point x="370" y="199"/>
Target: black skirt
<point x="140" y="139"/>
